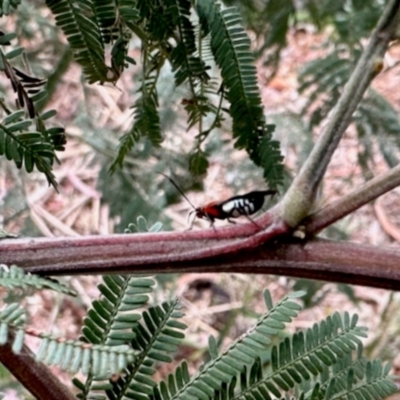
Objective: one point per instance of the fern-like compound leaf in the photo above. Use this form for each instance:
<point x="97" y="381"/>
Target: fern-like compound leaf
<point x="146" y="122"/>
<point x="73" y="356"/>
<point x="19" y="141"/>
<point x="240" y="354"/>
<point x="322" y="76"/>
<point x="307" y="354"/>
<point x="377" y="122"/>
<point x="76" y="19"/>
<point x="13" y="277"/>
<point x="141" y="226"/>
<point x="8" y="6"/>
<point x="12" y="320"/>
<point x="70" y="355"/>
<point x="184" y="61"/>
<point x="112" y="322"/>
<point x="156" y="338"/>
<point x="106" y="19"/>
<point x="231" y="48"/>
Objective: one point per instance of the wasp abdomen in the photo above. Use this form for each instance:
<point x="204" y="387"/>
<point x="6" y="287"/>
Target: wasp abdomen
<point x="238" y="207"/>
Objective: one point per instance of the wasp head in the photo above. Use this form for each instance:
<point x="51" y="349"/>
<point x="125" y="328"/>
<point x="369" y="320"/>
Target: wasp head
<point x="199" y="212"/>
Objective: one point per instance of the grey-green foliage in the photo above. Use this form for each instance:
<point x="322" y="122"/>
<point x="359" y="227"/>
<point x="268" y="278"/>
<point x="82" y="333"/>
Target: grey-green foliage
<point x="190" y="38"/>
<point x="271" y="21"/>
<point x="123" y="335"/>
<point x="349" y="22"/>
<point x="152" y="334"/>
<point x="13" y="277"/>
<point x="324" y="362"/>
<point x="6" y="6"/>
<point x="376" y="120"/>
<point x="12" y="317"/>
<point x="70" y="355"/>
<point x="141" y="226"/>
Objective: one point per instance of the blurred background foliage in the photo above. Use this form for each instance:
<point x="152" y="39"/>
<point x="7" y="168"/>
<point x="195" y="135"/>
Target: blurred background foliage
<point x="96" y="117"/>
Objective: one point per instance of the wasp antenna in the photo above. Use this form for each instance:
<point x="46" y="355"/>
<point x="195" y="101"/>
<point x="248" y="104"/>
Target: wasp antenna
<point x="179" y="190"/>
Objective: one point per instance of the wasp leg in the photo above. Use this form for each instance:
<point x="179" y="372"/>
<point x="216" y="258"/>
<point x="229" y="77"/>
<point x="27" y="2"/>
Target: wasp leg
<point x="212" y="220"/>
<point x="232" y="222"/>
<point x="192" y="223"/>
<point x="253" y="222"/>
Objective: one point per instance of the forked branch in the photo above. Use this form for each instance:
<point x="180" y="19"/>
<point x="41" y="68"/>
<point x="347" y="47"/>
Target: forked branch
<point x="300" y="197"/>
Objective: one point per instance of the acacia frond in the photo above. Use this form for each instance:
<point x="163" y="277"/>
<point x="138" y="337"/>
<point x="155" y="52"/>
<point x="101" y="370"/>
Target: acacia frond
<point x="141" y="226"/>
<point x="321" y="359"/>
<point x="14" y="277"/>
<point x="231" y="48"/>
<point x="186" y="65"/>
<point x="13" y="317"/>
<point x="323" y="80"/>
<point x="113" y="18"/>
<point x="106" y="19"/>
<point x="100" y="360"/>
<point x="20" y="142"/>
<point x="146" y="123"/>
<point x="112" y="319"/>
<point x="156" y="338"/>
<point x="244" y="351"/>
<point x="70" y="355"/>
<point x="375" y="118"/>
<point x="273" y="22"/>
<point x="76" y="19"/>
<point x="129" y="13"/>
<point x="26" y="147"/>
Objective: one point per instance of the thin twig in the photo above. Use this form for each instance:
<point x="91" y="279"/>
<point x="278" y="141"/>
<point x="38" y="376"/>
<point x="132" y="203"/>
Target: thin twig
<point x="354" y="200"/>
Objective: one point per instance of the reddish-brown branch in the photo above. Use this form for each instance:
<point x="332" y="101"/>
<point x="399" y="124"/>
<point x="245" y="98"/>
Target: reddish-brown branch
<point x="241" y="248"/>
<point x="180" y="252"/>
<point x="103" y="253"/>
<point x="35" y="376"/>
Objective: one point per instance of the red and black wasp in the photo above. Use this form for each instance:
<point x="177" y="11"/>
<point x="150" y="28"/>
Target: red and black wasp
<point x="234" y="207"/>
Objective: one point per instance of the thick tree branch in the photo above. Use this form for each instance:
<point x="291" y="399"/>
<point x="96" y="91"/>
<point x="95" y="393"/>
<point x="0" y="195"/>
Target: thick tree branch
<point x="314" y="259"/>
<point x="94" y="254"/>
<point x="35" y="376"/>
<point x="335" y="261"/>
<point x="300" y="197"/>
